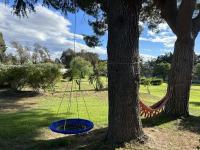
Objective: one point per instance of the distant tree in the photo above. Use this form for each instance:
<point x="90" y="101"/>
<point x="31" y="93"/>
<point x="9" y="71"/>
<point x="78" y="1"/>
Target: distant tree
<point x="166" y="58"/>
<point x="79" y="69"/>
<point x="162" y="70"/>
<point x="99" y="71"/>
<point x="93" y="58"/>
<point x="22" y="52"/>
<point x="57" y="61"/>
<point x="197" y="71"/>
<point x="196" y="58"/>
<point x="40" y="54"/>
<point x="67" y="56"/>
<point x="2" y="47"/>
<point x="146" y="67"/>
<point x="10" y="59"/>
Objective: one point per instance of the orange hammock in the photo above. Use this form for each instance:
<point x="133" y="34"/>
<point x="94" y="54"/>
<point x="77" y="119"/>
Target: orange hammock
<point x="150" y="111"/>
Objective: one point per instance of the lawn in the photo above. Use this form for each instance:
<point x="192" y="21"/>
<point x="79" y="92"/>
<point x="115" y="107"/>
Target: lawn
<point x="25" y="117"/>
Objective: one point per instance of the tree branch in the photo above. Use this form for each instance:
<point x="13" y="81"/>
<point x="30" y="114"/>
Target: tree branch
<point x="185" y="15"/>
<point x="168" y="12"/>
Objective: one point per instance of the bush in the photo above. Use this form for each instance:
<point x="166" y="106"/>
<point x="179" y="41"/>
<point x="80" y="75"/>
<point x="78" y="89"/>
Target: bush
<point x="35" y="75"/>
<point x="3" y="76"/>
<point x="145" y="81"/>
<point x="17" y="76"/>
<point x="156" y="81"/>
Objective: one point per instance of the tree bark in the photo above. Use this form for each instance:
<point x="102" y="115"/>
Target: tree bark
<point x="180" y="78"/>
<point x="124" y="123"/>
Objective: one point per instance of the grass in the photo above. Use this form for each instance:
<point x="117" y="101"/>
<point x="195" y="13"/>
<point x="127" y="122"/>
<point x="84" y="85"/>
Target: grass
<point x="25" y="116"/>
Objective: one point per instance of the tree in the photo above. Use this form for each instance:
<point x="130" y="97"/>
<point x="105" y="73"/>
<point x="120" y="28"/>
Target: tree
<point x="162" y="70"/>
<point x="181" y="69"/>
<point x="67" y="56"/>
<point x="40" y="54"/>
<point x="121" y="18"/>
<point x="79" y="68"/>
<point x="146" y="68"/>
<point x="93" y="58"/>
<point x="99" y="71"/>
<point x="2" y="47"/>
<point x="22" y="52"/>
<point x="166" y="58"/>
<point x="197" y="71"/>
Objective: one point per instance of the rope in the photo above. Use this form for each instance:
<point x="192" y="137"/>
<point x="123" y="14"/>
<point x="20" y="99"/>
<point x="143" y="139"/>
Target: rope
<point x="85" y="105"/>
<point x="62" y="99"/>
<point x="77" y="107"/>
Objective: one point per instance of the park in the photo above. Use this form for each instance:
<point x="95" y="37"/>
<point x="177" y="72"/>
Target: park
<point x="100" y="74"/>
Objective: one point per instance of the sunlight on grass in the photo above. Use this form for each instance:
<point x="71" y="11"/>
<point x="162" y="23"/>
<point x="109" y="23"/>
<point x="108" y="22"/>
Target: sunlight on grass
<point x="27" y="124"/>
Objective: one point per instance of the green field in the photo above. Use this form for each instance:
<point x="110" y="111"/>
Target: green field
<point x="25" y="116"/>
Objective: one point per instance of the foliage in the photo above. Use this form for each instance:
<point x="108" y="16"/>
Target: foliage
<point x="162" y="70"/>
<point x="95" y="77"/>
<point x="166" y="58"/>
<point x="35" y="75"/>
<point x="156" y="81"/>
<point x="2" y="47"/>
<point x="80" y="68"/>
<point x="197" y="71"/>
<point x="93" y="58"/>
<point x="40" y="54"/>
<point x="43" y="76"/>
<point x="67" y="56"/>
<point x="22" y="52"/>
<point x="146" y="82"/>
<point x="146" y="68"/>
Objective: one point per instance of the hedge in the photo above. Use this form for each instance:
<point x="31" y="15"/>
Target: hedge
<point x="37" y="76"/>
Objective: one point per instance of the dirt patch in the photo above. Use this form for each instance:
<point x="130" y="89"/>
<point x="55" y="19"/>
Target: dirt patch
<point x="171" y="139"/>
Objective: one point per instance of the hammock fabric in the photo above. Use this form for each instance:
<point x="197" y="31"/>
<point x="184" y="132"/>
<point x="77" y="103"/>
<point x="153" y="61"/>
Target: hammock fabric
<point x="150" y="111"/>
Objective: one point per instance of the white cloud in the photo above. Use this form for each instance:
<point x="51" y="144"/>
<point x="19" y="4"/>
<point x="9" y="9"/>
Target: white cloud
<point x="165" y="36"/>
<point x="147" y="57"/>
<point x="45" y="27"/>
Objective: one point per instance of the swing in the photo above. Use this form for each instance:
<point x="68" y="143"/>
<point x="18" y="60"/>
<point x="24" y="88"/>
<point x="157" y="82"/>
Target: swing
<point x="72" y="125"/>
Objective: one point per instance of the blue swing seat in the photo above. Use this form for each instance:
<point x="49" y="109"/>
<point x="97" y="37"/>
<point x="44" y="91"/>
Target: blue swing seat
<point x="86" y="124"/>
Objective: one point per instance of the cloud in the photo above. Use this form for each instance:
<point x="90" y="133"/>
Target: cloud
<point x="147" y="57"/>
<point x="45" y="27"/>
<point x="165" y="36"/>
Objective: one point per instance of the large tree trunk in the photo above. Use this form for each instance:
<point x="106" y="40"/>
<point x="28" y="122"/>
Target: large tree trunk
<point x="124" y="123"/>
<point x="181" y="71"/>
<point x="180" y="78"/>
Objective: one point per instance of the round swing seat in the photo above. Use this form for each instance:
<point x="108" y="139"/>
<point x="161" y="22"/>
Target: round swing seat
<point x="71" y="126"/>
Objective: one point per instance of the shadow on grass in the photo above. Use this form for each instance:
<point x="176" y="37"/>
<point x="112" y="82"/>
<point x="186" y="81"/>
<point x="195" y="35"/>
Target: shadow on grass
<point x="8" y="94"/>
<point x="195" y="103"/>
<point x="191" y="123"/>
<point x="9" y="99"/>
<point x="157" y="120"/>
<point x="18" y="130"/>
<point x="94" y="140"/>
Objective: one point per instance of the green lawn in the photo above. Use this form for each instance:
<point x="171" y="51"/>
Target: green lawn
<point x="25" y="117"/>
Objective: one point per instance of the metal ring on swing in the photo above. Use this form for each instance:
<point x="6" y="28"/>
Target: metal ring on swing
<point x="71" y="126"/>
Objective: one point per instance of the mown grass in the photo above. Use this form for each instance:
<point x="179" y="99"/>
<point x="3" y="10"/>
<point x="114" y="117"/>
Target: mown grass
<point x="25" y="124"/>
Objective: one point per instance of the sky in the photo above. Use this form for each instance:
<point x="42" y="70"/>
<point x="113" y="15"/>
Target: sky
<point x="56" y="32"/>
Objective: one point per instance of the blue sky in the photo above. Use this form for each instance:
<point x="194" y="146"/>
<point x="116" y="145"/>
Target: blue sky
<point x="52" y="30"/>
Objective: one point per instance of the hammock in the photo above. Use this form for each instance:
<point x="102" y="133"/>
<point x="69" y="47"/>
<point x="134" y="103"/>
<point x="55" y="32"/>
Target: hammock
<point x="150" y="111"/>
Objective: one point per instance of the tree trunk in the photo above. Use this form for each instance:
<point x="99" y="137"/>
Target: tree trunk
<point x="124" y="123"/>
<point x="180" y="78"/>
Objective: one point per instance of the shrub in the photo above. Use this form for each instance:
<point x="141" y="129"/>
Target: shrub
<point x="3" y="76"/>
<point x="43" y="76"/>
<point x="35" y="75"/>
<point x="17" y="76"/>
<point x="156" y="81"/>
